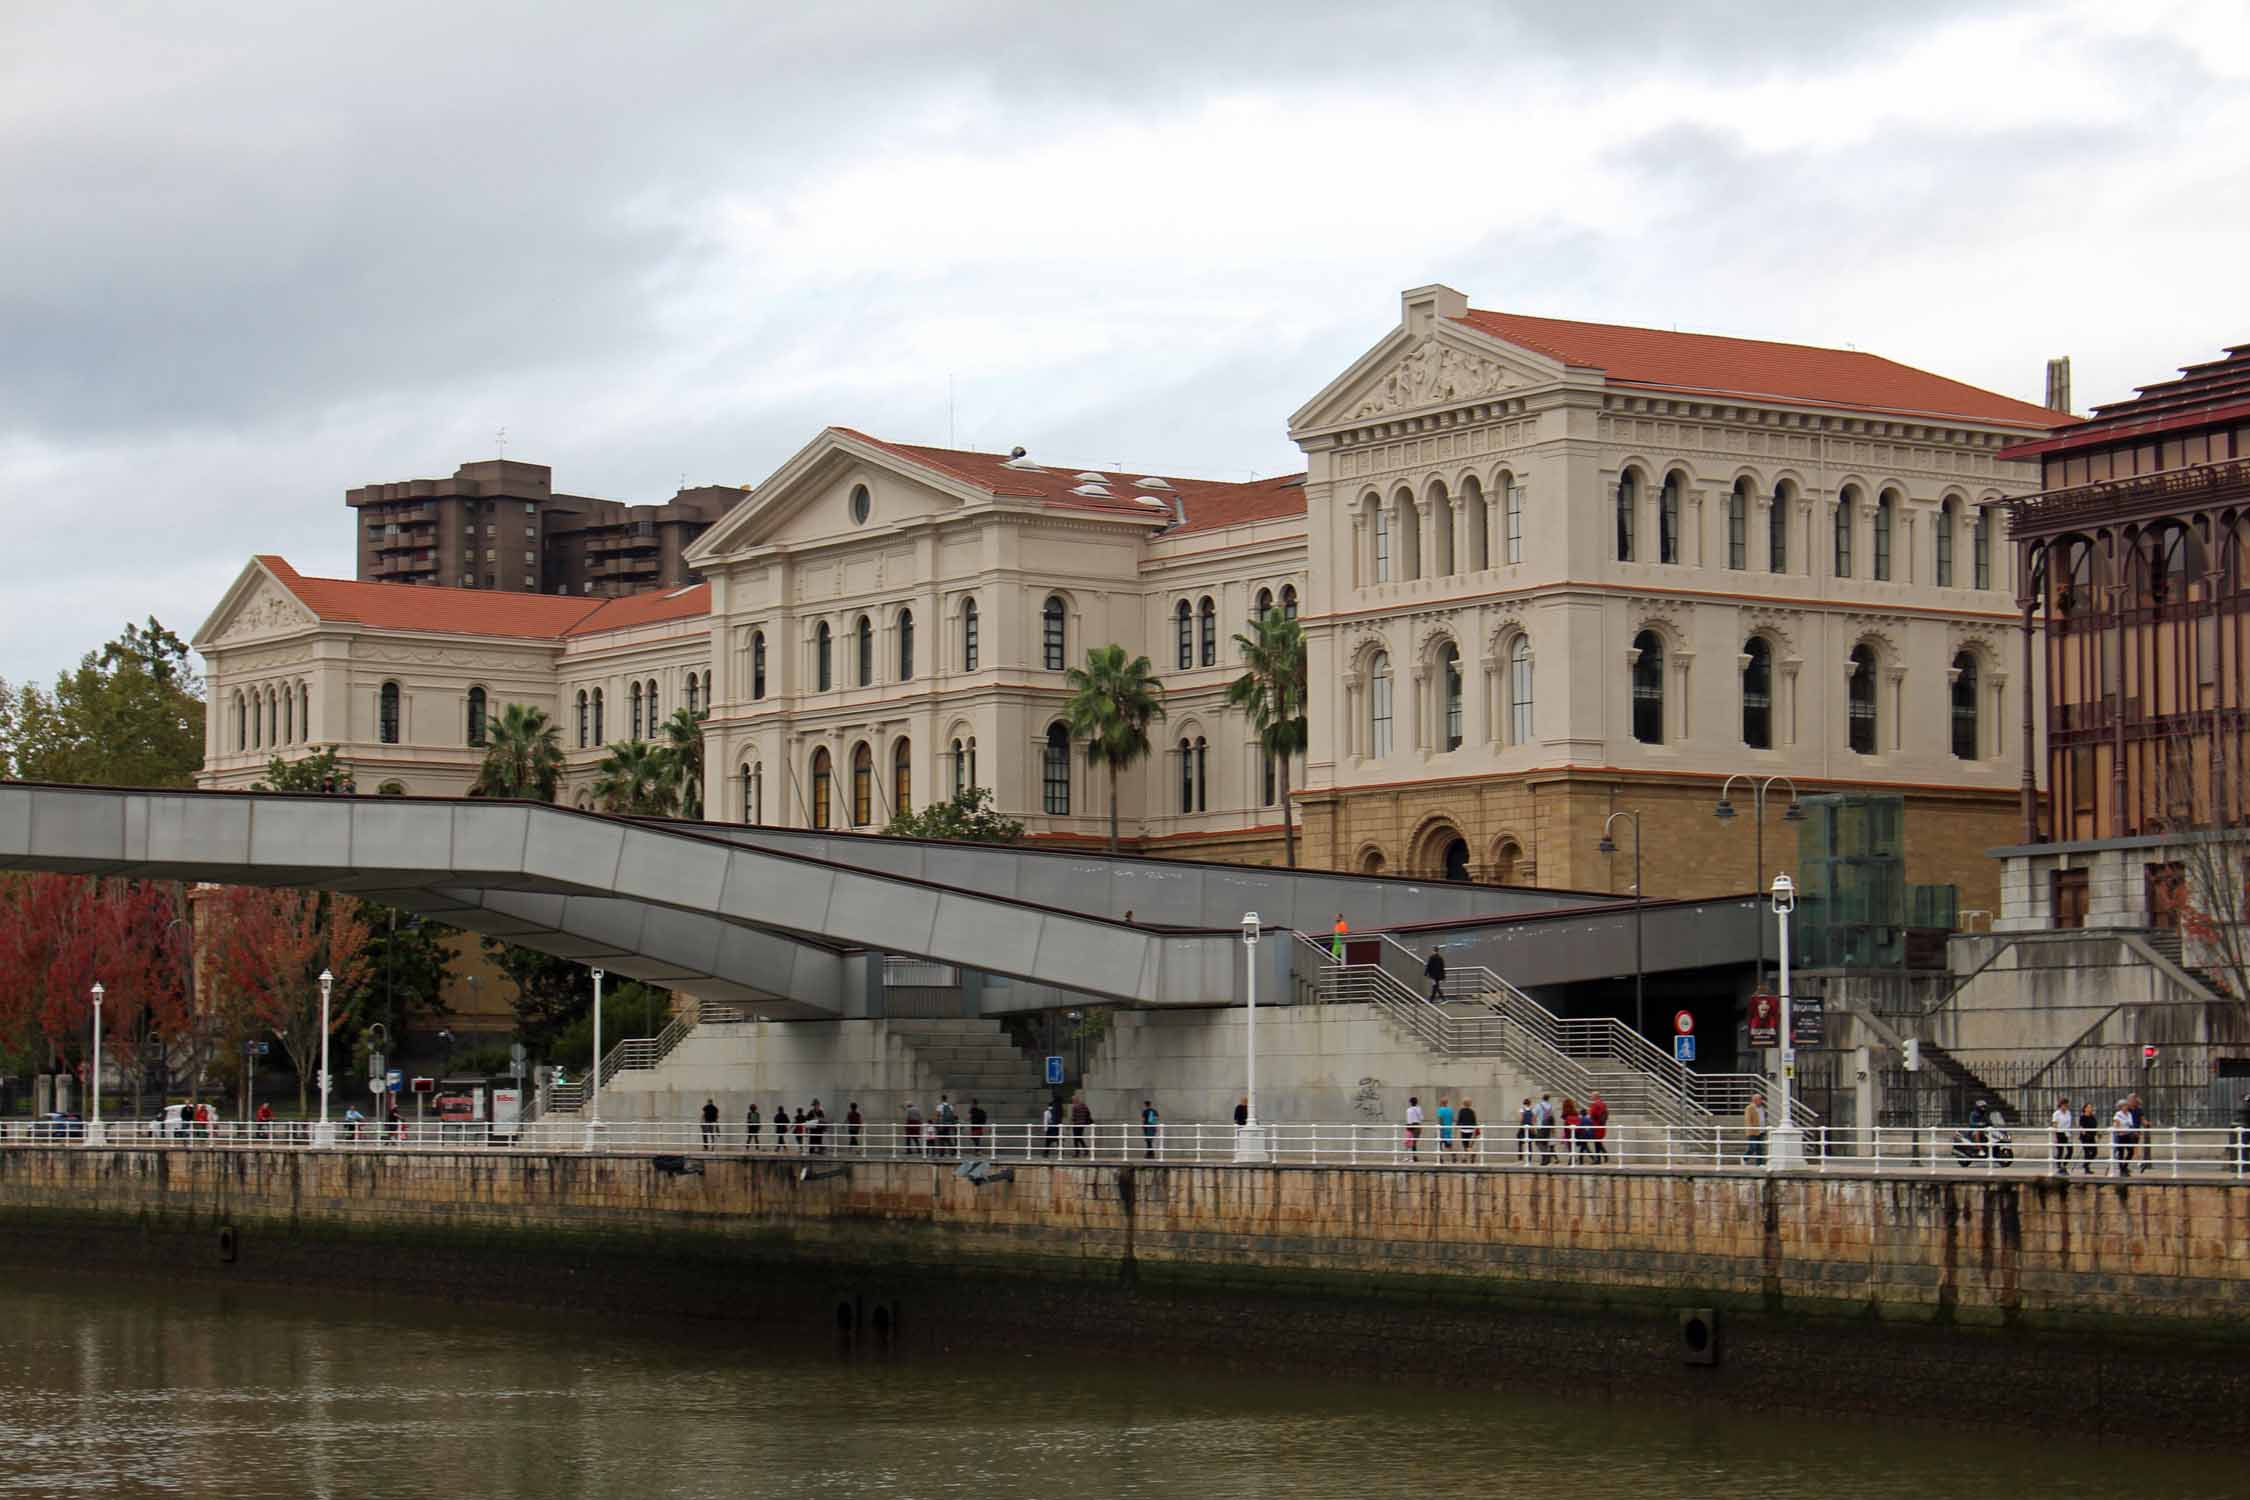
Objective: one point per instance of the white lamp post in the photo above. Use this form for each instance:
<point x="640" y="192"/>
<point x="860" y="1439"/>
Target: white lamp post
<point x="321" y="1136"/>
<point x="1250" y="1140"/>
<point x="594" y="1077"/>
<point x="1788" y="1145"/>
<point x="94" y="1080"/>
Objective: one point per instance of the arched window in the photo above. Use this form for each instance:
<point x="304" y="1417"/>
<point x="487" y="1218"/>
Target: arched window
<point x="584" y="723"/>
<point x="1409" y="539"/>
<point x="969" y="635"/>
<point x="823" y="787"/>
<point x="1475" y="526"/>
<point x="1054" y="771"/>
<point x="598" y="737"/>
<point x="1187" y="775"/>
<point x="1648" y="688"/>
<point x="824" y="657"/>
<point x="304" y="713"/>
<point x="1202" y="774"/>
<point x="863" y="640"/>
<point x="289" y="716"/>
<point x="386" y="714"/>
<point x="1272" y="786"/>
<point x="257" y="721"/>
<point x="1860" y="727"/>
<point x="960" y="768"/>
<point x="1449" y="679"/>
<point x="476" y="716"/>
<point x="1379" y="705"/>
<point x="1777" y="529"/>
<point x="1668" y="520"/>
<point x="1289" y="601"/>
<point x="1265" y="604"/>
<point x="906" y="645"/>
<point x="902" y="777"/>
<point x="1519" y="692"/>
<point x="636" y="711"/>
<point x="1382" y="544"/>
<point x="757" y="664"/>
<point x="1051" y="634"/>
<point x="1738" y="525"/>
<point x="749" y="798"/>
<point x="1980" y="544"/>
<point x="241" y="721"/>
<point x="1183" y="622"/>
<point x="1947" y="519"/>
<point x="1844" y="533"/>
<point x="973" y="782"/>
<point x="273" y="717"/>
<point x="653" y="715"/>
<point x="863" y="785"/>
<point x="694" y="693"/>
<point x="1965" y="706"/>
<point x="1628" y="499"/>
<point x="709" y="702"/>
<point x="1886" y="506"/>
<point x="1511" y="521"/>
<point x="1207" y="631"/>
<point x="1757" y="693"/>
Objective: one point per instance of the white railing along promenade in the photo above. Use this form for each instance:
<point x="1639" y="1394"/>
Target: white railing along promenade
<point x="2155" y="1153"/>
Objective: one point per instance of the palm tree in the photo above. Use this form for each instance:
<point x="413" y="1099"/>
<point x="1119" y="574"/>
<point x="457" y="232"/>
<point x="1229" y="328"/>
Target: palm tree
<point x="682" y="747"/>
<point x="638" y="778"/>
<point x="1271" y="693"/>
<point x="1112" y="703"/>
<point x="523" y="756"/>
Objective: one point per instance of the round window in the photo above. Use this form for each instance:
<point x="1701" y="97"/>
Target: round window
<point x="860" y="504"/>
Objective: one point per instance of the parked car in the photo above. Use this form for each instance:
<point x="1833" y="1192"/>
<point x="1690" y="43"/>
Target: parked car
<point x="456" y="1108"/>
<point x="56" y="1126"/>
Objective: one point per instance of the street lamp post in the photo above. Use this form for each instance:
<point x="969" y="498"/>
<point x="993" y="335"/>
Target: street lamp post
<point x="1725" y="812"/>
<point x="94" y="1080"/>
<point x="1788" y="1141"/>
<point x="1250" y="1140"/>
<point x="321" y="1137"/>
<point x="594" y="1075"/>
<point x="1608" y="845"/>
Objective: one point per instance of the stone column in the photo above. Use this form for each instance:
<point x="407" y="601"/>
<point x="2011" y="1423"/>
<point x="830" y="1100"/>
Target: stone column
<point x="1425" y="540"/>
<point x="1785" y="731"/>
<point x="1897" y="678"/>
<point x="1683" y="662"/>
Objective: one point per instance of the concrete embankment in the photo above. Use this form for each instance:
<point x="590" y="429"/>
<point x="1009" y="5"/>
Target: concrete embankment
<point x="2089" y="1304"/>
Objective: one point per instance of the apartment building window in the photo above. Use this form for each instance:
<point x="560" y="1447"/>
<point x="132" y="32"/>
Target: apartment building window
<point x="757" y="664"/>
<point x="582" y="721"/>
<point x="1886" y="505"/>
<point x="906" y="645"/>
<point x="822" y="787"/>
<point x="1289" y="601"/>
<point x="694" y="693"/>
<point x="1980" y="543"/>
<point x="863" y="785"/>
<point x="1648" y="688"/>
<point x="1054" y="771"/>
<point x="1628" y="498"/>
<point x="1946" y="520"/>
<point x="1183" y="622"/>
<point x="289" y="716"/>
<point x="1757" y="693"/>
<point x="750" y="793"/>
<point x="1738" y="525"/>
<point x="241" y="723"/>
<point x="1860" y="706"/>
<point x="1668" y="520"/>
<point x="1519" y="692"/>
<point x="476" y="716"/>
<point x="1051" y="632"/>
<point x="386" y="714"/>
<point x="824" y="654"/>
<point x="653" y="715"/>
<point x="968" y="635"/>
<point x="863" y="650"/>
<point x="1379" y="705"/>
<point x="1202" y="774"/>
<point x="960" y="769"/>
<point x="1449" y="676"/>
<point x="1511" y="537"/>
<point x="902" y="777"/>
<point x="1265" y="604"/>
<point x="1777" y="530"/>
<point x="1965" y="706"/>
<point x="1844" y="535"/>
<point x="1207" y="628"/>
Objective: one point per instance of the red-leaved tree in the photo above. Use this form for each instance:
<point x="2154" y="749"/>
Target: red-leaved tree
<point x="265" y="951"/>
<point x="59" y="936"/>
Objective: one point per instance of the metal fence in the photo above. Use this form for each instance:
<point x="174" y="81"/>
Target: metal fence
<point x="2183" y="1086"/>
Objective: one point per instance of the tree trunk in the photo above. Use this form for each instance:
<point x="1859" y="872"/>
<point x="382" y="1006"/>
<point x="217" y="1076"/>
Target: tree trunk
<point x="1288" y="825"/>
<point x="1113" y="808"/>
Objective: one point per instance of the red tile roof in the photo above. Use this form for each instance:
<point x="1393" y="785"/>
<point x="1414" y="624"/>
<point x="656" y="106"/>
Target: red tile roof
<point x="2212" y="394"/>
<point x="1706" y="364"/>
<point x="449" y="611"/>
<point x="1208" y="503"/>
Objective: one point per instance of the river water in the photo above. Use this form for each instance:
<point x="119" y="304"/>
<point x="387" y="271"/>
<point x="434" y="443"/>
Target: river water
<point x="130" y="1388"/>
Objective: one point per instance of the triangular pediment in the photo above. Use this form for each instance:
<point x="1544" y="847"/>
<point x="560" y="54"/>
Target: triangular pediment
<point x="816" y="498"/>
<point x="1449" y="365"/>
<point x="258" y="605"/>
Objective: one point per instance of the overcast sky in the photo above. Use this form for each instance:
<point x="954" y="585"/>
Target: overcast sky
<point x="254" y="255"/>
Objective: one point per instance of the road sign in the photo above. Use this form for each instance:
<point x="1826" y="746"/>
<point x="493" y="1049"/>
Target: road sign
<point x="1765" y="1020"/>
<point x="1683" y="1047"/>
<point x="395" y="1077"/>
<point x="376" y="1086"/>
<point x="1684" y="1023"/>
<point x="425" y="1085"/>
<point x="1054" y="1070"/>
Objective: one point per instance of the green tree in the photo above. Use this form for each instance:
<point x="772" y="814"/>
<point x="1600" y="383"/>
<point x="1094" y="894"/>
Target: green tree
<point x="967" y="818"/>
<point x="409" y="961"/>
<point x="551" y="992"/>
<point x="1271" y="693"/>
<point x="682" y="748"/>
<point x="629" y="1009"/>
<point x="130" y="715"/>
<point x="320" y="771"/>
<point x="523" y="756"/>
<point x="637" y="778"/>
<point x="1113" y="700"/>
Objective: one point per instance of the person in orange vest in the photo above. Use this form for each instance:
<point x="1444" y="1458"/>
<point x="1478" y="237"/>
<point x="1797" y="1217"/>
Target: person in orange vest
<point x="1336" y="943"/>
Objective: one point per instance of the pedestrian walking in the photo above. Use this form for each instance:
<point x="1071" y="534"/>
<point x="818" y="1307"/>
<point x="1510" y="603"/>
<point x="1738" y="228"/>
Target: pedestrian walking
<point x="1597" y="1127"/>
<point x="750" y="1127"/>
<point x="2061" y="1121"/>
<point x="816" y="1119"/>
<point x="352" y="1119"/>
<point x="710" y="1123"/>
<point x="1444" y="1127"/>
<point x="2121" y="1140"/>
<point x="1466" y="1118"/>
<point x="1544" y="1128"/>
<point x="913" y="1128"/>
<point x="393" y="1126"/>
<point x="781" y="1127"/>
<point x="2089" y="1132"/>
<point x="265" y="1121"/>
<point x="1573" y="1123"/>
<point x="1081" y="1120"/>
<point x="1336" y="938"/>
<point x="797" y="1129"/>
<point x="1754" y="1130"/>
<point x="1050" y="1126"/>
<point x="1149" y="1121"/>
<point x="947" y="1121"/>
<point x="1241" y="1113"/>
<point x="1413" y="1125"/>
<point x="852" y="1123"/>
<point x="978" y="1120"/>
<point x="2147" y="1147"/>
<point x="1527" y="1130"/>
<point x="1434" y="972"/>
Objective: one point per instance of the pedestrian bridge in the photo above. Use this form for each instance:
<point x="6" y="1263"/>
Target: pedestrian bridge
<point x="796" y="924"/>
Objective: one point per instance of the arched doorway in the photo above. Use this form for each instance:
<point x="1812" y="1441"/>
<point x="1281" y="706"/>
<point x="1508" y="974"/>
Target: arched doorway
<point x="1456" y="859"/>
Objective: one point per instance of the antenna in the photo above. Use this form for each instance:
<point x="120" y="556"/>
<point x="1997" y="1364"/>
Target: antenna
<point x="501" y="438"/>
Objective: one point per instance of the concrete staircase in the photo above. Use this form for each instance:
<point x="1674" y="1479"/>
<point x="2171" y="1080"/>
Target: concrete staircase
<point x="972" y="1058"/>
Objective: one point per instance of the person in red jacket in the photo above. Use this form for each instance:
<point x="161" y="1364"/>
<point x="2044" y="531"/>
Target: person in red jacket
<point x="1597" y="1125"/>
<point x="265" y="1122"/>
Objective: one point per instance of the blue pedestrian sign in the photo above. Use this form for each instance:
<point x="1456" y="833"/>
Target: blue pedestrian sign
<point x="394" y="1080"/>
<point x="1683" y="1049"/>
<point x="1054" y="1071"/>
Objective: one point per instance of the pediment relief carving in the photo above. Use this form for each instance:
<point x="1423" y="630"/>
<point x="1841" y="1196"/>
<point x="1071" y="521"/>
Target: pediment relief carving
<point x="1433" y="373"/>
<point x="268" y="612"/>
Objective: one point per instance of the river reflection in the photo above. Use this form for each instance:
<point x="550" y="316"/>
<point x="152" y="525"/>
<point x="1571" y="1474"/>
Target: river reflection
<point x="111" y="1387"/>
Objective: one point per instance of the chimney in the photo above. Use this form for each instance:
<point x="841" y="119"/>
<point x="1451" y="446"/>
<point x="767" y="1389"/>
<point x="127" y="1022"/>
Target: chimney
<point x="2058" y="385"/>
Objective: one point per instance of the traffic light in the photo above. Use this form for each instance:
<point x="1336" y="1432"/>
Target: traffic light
<point x="2148" y="1056"/>
<point x="1913" y="1054"/>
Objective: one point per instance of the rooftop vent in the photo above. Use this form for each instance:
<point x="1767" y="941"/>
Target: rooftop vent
<point x="1096" y="491"/>
<point x="1091" y="477"/>
<point x="1156" y="500"/>
<point x="1151" y="482"/>
<point x="1016" y="460"/>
